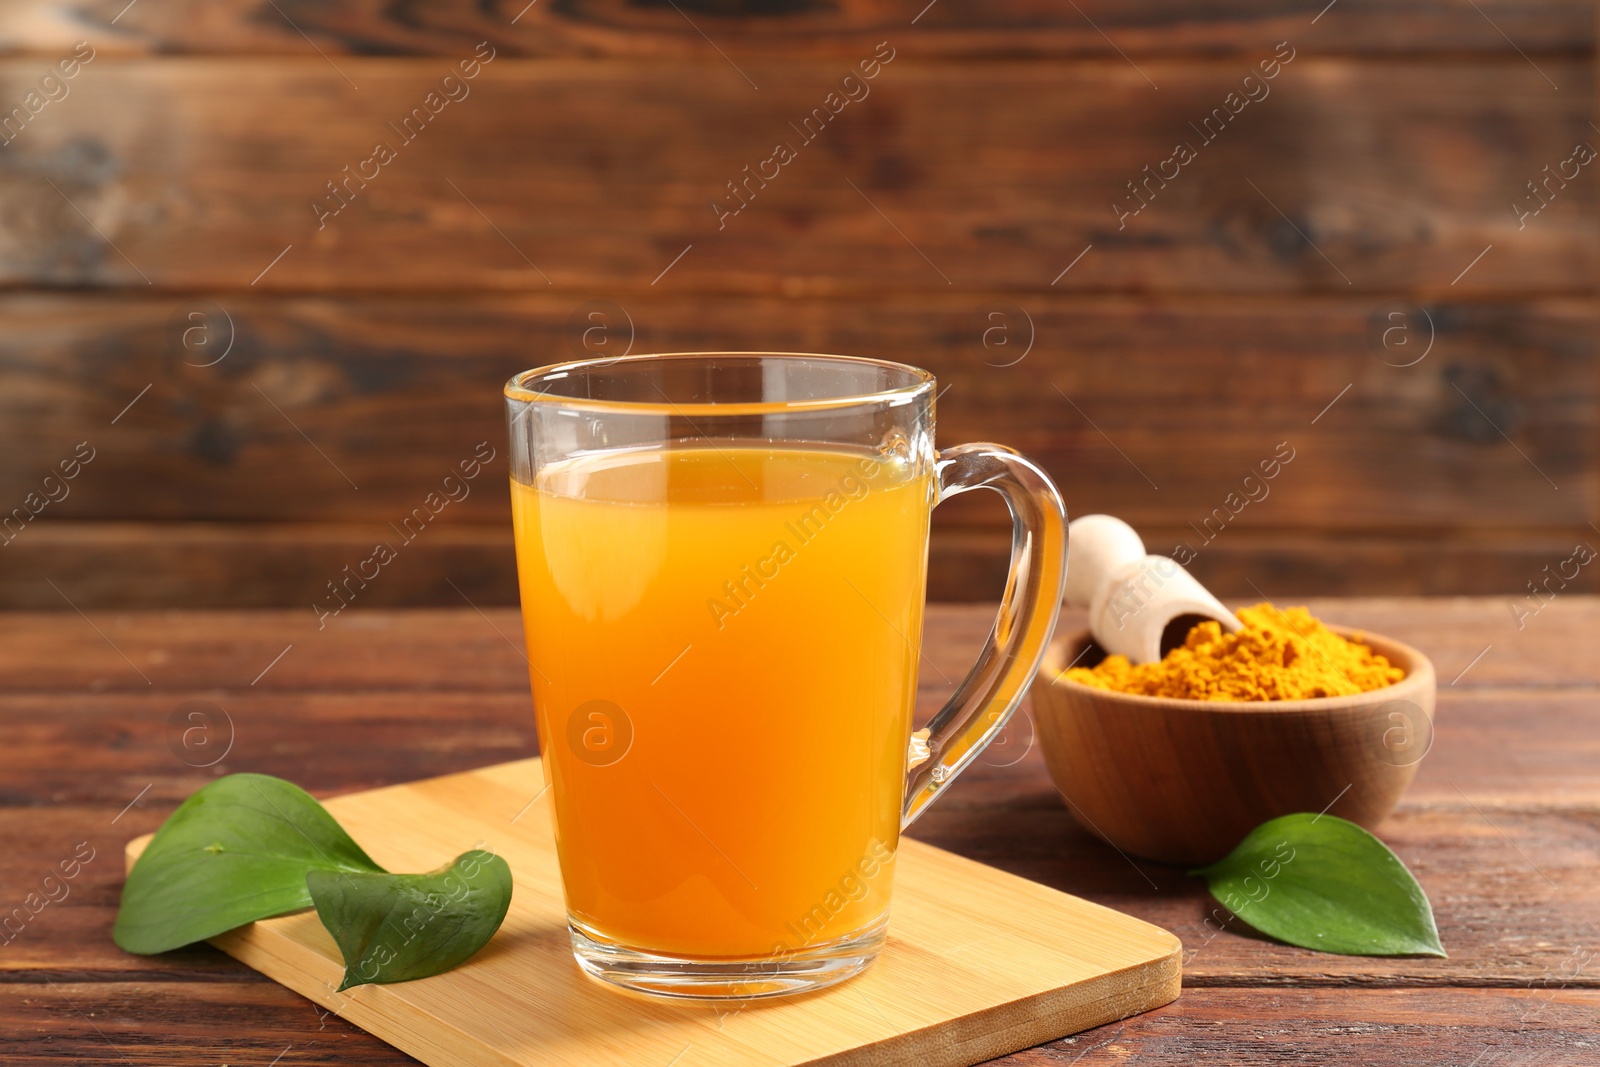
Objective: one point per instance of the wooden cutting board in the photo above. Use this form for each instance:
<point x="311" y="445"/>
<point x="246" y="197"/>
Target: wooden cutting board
<point x="978" y="962"/>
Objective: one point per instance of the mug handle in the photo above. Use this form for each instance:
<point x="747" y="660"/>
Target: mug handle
<point x="994" y="687"/>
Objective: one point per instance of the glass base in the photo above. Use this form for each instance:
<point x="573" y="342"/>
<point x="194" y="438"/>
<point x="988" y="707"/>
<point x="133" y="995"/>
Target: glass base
<point x="811" y="968"/>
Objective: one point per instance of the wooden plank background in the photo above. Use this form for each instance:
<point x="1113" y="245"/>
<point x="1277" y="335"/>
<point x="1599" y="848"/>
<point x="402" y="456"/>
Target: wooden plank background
<point x="1281" y="289"/>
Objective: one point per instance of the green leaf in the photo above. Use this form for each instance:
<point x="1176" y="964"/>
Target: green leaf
<point x="249" y="846"/>
<point x="1323" y="883"/>
<point x="234" y="852"/>
<point x="397" y="927"/>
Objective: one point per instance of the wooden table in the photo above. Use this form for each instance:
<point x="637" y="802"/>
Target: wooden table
<point x="1502" y="828"/>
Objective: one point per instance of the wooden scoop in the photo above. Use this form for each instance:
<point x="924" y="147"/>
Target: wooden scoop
<point x="1140" y="606"/>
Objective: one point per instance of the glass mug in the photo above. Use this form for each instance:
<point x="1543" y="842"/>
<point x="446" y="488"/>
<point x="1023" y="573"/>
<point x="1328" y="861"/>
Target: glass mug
<point x="722" y="560"/>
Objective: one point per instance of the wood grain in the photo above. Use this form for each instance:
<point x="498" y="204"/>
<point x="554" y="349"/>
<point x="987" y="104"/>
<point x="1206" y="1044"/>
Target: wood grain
<point x="270" y="565"/>
<point x="1217" y="299"/>
<point x="176" y="1023"/>
<point x="165" y="1023"/>
<point x="929" y="997"/>
<point x="151" y="739"/>
<point x="393" y="395"/>
<point x="1500" y="826"/>
<point x="366" y="651"/>
<point x="196" y="175"/>
<point x="1387" y="1028"/>
<point x="840" y="28"/>
<point x="1505" y="919"/>
<point x="239" y="1018"/>
<point x="1524" y="940"/>
<point x="385" y="697"/>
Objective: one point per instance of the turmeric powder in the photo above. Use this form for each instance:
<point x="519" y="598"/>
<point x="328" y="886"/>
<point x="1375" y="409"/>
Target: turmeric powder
<point x="1278" y="655"/>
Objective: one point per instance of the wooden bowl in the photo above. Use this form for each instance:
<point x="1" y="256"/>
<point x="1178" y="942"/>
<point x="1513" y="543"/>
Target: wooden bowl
<point x="1183" y="781"/>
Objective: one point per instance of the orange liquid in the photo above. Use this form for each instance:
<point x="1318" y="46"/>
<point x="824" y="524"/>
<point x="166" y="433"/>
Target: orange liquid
<point x="723" y="648"/>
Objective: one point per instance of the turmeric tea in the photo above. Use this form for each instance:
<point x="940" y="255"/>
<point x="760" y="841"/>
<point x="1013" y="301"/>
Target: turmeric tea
<point x="1278" y="655"/>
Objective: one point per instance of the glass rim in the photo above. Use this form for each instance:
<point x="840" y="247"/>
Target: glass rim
<point x="922" y="381"/>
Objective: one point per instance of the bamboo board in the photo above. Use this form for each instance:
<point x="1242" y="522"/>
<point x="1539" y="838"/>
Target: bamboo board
<point x="978" y="962"/>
